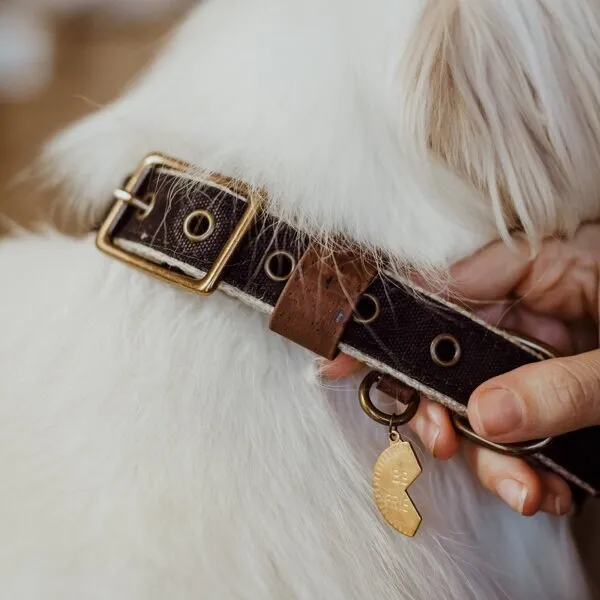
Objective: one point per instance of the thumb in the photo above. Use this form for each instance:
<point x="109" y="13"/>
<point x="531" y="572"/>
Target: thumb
<point x="539" y="400"/>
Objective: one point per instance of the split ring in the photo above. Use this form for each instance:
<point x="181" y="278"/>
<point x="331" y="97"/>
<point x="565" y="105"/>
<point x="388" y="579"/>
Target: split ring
<point x="461" y="424"/>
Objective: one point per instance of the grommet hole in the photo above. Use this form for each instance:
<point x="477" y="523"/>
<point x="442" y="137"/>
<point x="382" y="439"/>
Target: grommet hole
<point x="445" y="350"/>
<point x="279" y="265"/>
<point x="142" y="213"/>
<point x="199" y="225"/>
<point x="367" y="309"/>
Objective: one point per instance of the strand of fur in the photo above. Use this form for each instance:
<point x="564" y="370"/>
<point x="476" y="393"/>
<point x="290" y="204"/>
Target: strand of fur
<point x="505" y="93"/>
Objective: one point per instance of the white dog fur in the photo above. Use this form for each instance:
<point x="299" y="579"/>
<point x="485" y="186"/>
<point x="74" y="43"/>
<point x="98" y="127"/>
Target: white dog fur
<point x="156" y="445"/>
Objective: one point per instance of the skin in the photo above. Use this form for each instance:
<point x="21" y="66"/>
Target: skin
<point x="554" y="298"/>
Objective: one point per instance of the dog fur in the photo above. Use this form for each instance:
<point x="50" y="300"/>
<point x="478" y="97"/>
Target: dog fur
<point x="154" y="444"/>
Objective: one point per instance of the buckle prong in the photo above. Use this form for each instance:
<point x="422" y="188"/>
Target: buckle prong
<point x="129" y="198"/>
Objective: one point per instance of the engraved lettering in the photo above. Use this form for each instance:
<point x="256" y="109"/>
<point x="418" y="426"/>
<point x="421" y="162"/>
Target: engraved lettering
<point x="399" y="477"/>
<point x="397" y="503"/>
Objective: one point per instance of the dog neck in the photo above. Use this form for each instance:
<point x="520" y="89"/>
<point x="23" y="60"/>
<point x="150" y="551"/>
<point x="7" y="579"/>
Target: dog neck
<point x="334" y="109"/>
<point x="301" y="100"/>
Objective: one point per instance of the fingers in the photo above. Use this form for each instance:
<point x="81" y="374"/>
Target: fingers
<point x="435" y="430"/>
<point x="562" y="281"/>
<point x="536" y="390"/>
<point x="342" y="366"/>
<point x="470" y="278"/>
<point x="559" y="498"/>
<point x="431" y="423"/>
<point x="516" y="483"/>
<point x="539" y="400"/>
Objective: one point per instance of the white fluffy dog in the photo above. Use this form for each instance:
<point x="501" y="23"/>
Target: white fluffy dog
<point x="159" y="445"/>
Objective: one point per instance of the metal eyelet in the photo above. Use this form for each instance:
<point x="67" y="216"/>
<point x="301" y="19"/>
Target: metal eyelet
<point x="199" y="225"/>
<point x="279" y="265"/>
<point x="383" y="418"/>
<point x="445" y="350"/>
<point x="367" y="309"/>
<point x="149" y="201"/>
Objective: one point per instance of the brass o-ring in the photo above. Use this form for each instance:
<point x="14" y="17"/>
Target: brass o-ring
<point x="383" y="418"/>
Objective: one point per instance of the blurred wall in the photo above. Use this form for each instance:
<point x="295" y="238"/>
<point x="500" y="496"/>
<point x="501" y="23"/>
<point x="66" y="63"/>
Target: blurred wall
<point x="94" y="60"/>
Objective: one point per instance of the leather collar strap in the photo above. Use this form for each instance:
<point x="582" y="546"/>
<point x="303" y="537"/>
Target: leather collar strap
<point x="181" y="227"/>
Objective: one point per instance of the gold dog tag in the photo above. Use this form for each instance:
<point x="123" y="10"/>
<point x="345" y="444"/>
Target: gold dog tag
<point x="394" y="471"/>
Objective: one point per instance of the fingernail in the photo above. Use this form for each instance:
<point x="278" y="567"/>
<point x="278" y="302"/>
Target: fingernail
<point x="497" y="412"/>
<point x="513" y="493"/>
<point x="428" y="432"/>
<point x="562" y="505"/>
<point x="437" y="414"/>
<point x="435" y="436"/>
<point x="557" y="505"/>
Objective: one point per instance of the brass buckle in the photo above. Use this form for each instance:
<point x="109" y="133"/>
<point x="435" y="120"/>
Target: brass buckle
<point x="127" y="196"/>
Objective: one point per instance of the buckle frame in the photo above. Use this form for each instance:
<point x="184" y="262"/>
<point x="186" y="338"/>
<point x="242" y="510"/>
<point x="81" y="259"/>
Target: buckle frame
<point x="126" y="196"/>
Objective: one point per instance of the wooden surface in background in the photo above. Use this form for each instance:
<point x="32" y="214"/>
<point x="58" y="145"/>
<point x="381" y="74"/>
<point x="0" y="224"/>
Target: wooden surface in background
<point x="94" y="61"/>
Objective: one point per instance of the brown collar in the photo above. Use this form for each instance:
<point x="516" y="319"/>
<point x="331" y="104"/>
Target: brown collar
<point x="215" y="235"/>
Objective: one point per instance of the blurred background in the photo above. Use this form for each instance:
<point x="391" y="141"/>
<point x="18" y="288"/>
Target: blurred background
<point x="60" y="60"/>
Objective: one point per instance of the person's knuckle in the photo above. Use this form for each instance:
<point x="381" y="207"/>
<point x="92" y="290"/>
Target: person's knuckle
<point x="568" y="391"/>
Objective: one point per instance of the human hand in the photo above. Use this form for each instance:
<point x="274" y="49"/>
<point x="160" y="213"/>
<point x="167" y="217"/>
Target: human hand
<point x="554" y="298"/>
